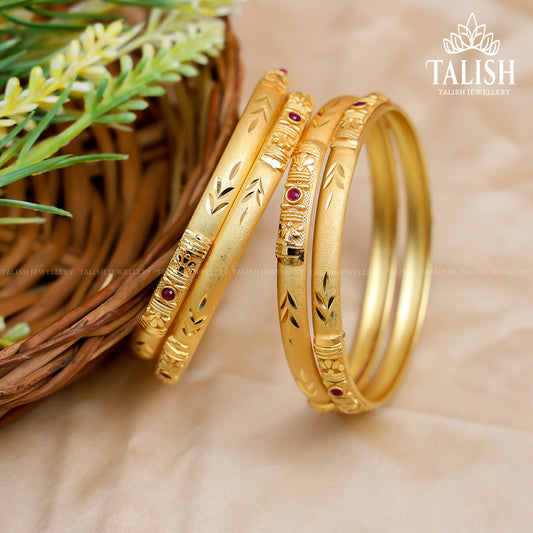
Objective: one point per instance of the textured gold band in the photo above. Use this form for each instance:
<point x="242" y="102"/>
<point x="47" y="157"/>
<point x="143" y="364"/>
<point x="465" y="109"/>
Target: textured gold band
<point x="333" y="381"/>
<point x="200" y="302"/>
<point x="253" y="127"/>
<point x="293" y="239"/>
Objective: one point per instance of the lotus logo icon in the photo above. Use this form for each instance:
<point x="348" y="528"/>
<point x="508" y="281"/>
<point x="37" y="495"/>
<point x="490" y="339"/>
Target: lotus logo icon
<point x="471" y="37"/>
<point x="471" y="73"/>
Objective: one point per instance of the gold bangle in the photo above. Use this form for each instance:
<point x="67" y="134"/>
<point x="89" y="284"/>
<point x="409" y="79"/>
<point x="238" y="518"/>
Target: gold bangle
<point x="227" y="179"/>
<point x="348" y="383"/>
<point x="293" y="238"/>
<point x="201" y="300"/>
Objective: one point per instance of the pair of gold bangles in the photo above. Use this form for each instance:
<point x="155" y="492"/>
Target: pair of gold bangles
<point x="274" y="127"/>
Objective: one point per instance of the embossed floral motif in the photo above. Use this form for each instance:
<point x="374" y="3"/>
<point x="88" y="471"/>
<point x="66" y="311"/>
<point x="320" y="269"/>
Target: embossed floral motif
<point x="284" y="141"/>
<point x="186" y="263"/>
<point x="348" y="126"/>
<point x="303" y="162"/>
<point x="170" y="362"/>
<point x="301" y="102"/>
<point x="173" y="359"/>
<point x="331" y="367"/>
<point x="154" y="319"/>
<point x="290" y="231"/>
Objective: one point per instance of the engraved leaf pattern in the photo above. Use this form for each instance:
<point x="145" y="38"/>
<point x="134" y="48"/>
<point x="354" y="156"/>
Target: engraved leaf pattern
<point x="243" y="216"/>
<point x="335" y="174"/>
<point x="195" y="321"/>
<point x="202" y="303"/>
<point x="287" y="306"/>
<point x="317" y="120"/>
<point x="254" y="189"/>
<point x="324" y="302"/>
<point x="262" y="111"/>
<point x="328" y="200"/>
<point x="323" y="117"/>
<point x="217" y="202"/>
<point x="307" y="386"/>
<point x="234" y="170"/>
<point x="213" y="207"/>
<point x="253" y="125"/>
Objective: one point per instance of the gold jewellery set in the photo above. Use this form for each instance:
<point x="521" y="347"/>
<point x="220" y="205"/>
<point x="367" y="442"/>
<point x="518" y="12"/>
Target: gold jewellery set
<point x="275" y="127"/>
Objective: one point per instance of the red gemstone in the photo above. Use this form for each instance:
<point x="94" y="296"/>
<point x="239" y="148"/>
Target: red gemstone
<point x="336" y="392"/>
<point x="295" y="117"/>
<point x="294" y="194"/>
<point x="284" y="70"/>
<point x="168" y="294"/>
<point x="358" y="104"/>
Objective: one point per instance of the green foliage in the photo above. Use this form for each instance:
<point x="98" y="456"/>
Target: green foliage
<point x="50" y="59"/>
<point x="12" y="335"/>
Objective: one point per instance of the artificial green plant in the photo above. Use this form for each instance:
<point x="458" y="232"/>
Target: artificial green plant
<point x="54" y="67"/>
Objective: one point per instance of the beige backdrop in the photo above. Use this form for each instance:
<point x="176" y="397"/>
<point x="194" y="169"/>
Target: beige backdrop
<point x="234" y="447"/>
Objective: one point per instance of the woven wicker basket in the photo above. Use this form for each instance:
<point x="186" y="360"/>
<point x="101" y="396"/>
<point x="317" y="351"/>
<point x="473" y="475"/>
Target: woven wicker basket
<point x="83" y="283"/>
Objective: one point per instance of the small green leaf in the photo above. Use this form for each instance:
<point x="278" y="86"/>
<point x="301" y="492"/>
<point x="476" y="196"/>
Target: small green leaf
<point x="201" y="59"/>
<point x="125" y="117"/>
<point x="135" y="104"/>
<point x="57" y="14"/>
<point x="7" y="44"/>
<point x="100" y="90"/>
<point x="126" y="64"/>
<point x="34" y="207"/>
<point x="15" y="334"/>
<point x="154" y="91"/>
<point x="8" y="176"/>
<point x="15" y="131"/>
<point x="49" y="27"/>
<point x="8" y="221"/>
<point x="171" y="77"/>
<point x="10" y="59"/>
<point x="188" y="70"/>
<point x="43" y="123"/>
<point x="61" y="161"/>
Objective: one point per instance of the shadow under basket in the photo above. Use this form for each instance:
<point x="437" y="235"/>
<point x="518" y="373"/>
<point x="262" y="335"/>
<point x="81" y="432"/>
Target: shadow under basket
<point x="82" y="283"/>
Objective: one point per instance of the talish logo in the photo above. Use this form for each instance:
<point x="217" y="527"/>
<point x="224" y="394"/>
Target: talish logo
<point x="472" y="76"/>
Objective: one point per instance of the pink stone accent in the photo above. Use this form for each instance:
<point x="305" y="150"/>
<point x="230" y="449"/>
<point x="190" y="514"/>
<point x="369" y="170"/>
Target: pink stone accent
<point x="358" y="104"/>
<point x="168" y="294"/>
<point x="284" y="70"/>
<point x="336" y="392"/>
<point x="295" y="117"/>
<point x="294" y="194"/>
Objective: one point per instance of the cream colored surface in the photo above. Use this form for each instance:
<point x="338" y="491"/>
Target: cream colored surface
<point x="234" y="447"/>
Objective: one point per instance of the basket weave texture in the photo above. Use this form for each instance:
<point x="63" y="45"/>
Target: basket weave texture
<point x="82" y="283"/>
